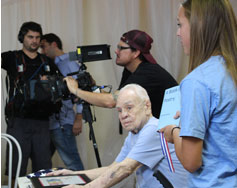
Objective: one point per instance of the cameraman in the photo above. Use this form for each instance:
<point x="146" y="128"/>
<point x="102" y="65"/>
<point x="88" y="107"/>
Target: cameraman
<point x="66" y="124"/>
<point x="133" y="53"/>
<point x="27" y="120"/>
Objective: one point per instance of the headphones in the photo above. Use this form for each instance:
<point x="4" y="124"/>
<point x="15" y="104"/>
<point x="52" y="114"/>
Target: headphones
<point x="22" y="33"/>
<point x="26" y="27"/>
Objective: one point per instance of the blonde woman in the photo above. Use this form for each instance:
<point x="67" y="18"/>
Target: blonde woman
<point x="206" y="144"/>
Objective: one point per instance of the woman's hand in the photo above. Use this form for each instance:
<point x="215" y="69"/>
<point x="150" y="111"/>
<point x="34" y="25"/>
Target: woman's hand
<point x="168" y="133"/>
<point x="177" y="115"/>
<point x="168" y="130"/>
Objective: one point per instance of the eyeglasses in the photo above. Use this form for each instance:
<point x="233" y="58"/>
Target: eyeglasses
<point x="123" y="47"/>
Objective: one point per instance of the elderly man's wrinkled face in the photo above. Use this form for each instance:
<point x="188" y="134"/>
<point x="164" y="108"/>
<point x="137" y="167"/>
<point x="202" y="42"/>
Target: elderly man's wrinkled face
<point x="132" y="111"/>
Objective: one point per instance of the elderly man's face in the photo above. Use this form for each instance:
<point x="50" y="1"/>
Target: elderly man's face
<point x="132" y="111"/>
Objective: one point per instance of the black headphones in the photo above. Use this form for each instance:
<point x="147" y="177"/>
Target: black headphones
<point x="26" y="27"/>
<point x="22" y="33"/>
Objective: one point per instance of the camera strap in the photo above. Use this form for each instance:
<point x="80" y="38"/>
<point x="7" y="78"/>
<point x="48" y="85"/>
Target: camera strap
<point x="21" y="68"/>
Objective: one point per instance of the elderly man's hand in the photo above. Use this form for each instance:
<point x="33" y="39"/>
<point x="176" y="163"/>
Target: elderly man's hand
<point x="73" y="186"/>
<point x="72" y="84"/>
<point x="61" y="172"/>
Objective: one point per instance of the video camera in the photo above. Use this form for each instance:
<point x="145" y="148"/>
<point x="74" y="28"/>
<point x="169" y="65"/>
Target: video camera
<point x="56" y="87"/>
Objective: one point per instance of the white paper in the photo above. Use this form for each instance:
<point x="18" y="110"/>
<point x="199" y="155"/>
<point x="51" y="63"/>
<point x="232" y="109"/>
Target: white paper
<point x="171" y="104"/>
<point x="61" y="180"/>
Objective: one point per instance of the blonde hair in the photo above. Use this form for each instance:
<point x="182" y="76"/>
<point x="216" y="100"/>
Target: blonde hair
<point x="213" y="32"/>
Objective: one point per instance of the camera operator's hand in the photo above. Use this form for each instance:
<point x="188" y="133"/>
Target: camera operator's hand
<point x="77" y="125"/>
<point x="71" y="84"/>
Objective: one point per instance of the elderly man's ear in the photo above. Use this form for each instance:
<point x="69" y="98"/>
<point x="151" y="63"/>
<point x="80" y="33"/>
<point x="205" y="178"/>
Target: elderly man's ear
<point x="148" y="107"/>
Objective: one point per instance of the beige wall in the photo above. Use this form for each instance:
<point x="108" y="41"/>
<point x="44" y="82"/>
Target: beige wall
<point x="88" y="22"/>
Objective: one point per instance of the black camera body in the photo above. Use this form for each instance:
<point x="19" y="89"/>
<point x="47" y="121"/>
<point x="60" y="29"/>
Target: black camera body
<point x="55" y="88"/>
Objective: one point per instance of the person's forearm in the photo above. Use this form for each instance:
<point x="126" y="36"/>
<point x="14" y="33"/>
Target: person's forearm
<point x="77" y="125"/>
<point x="178" y="144"/>
<point x="114" y="174"/>
<point x="78" y="117"/>
<point x="188" y="151"/>
<point x="93" y="173"/>
<point x="98" y="99"/>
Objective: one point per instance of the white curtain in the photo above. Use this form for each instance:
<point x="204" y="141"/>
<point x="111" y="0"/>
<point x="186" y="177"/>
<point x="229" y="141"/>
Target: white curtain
<point x="89" y="22"/>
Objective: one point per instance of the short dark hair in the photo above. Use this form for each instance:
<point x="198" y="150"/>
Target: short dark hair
<point x="33" y="26"/>
<point x="51" y="37"/>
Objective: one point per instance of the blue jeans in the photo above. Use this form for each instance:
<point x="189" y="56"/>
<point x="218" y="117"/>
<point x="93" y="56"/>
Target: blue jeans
<point x="65" y="143"/>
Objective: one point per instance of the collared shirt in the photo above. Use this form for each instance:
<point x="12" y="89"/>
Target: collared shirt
<point x="209" y="112"/>
<point x="67" y="113"/>
<point x="145" y="147"/>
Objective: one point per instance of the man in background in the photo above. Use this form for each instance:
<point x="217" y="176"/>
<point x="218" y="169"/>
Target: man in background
<point x="66" y="124"/>
<point x="133" y="53"/>
<point x="27" y="119"/>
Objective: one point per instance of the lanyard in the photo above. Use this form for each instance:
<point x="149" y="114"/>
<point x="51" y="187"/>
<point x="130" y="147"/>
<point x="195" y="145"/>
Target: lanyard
<point x="166" y="152"/>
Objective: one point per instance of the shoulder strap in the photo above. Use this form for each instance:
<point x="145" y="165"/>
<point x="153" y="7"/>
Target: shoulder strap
<point x="36" y="72"/>
<point x="20" y="61"/>
<point x="43" y="58"/>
